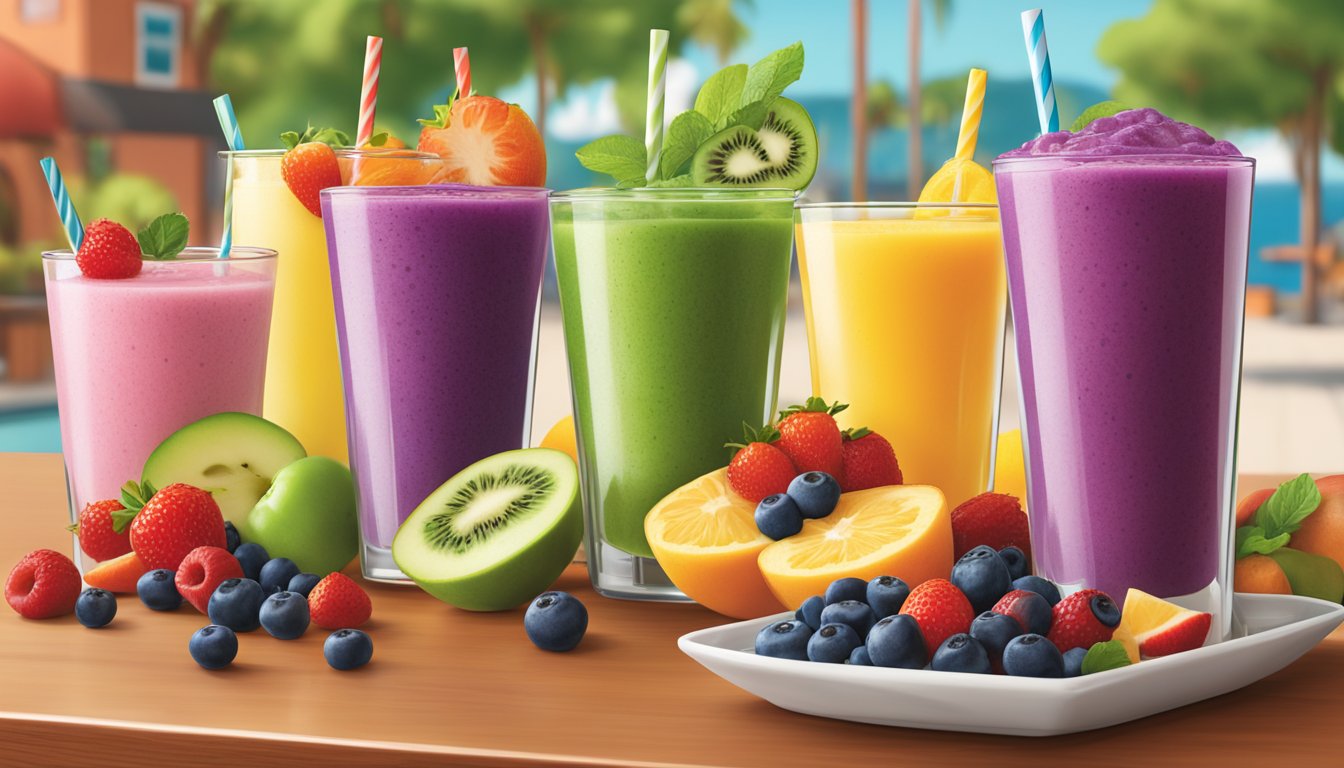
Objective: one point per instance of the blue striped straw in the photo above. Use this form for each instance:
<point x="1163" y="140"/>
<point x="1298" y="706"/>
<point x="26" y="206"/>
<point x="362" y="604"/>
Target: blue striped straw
<point x="233" y="136"/>
<point x="1033" y="30"/>
<point x="65" y="208"/>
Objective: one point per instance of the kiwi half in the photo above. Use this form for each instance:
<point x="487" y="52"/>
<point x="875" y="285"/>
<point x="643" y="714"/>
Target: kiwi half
<point x="496" y="534"/>
<point x="783" y="153"/>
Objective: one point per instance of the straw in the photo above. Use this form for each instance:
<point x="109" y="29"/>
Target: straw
<point x="462" y="66"/>
<point x="233" y="136"/>
<point x="970" y="115"/>
<point x="1033" y="31"/>
<point x="65" y="208"/>
<point x="653" y="116"/>
<point x="368" y="94"/>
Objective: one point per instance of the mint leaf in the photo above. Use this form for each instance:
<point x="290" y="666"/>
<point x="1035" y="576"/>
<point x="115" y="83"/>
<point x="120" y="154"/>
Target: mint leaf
<point x="290" y="139"/>
<point x="1098" y="110"/>
<point x="1103" y="656"/>
<point x="684" y="180"/>
<point x="1285" y="509"/>
<point x="621" y="157"/>
<point x="164" y="237"/>
<point x="332" y="137"/>
<point x="1251" y="541"/>
<point x="440" y="119"/>
<point x="768" y="78"/>
<point x="378" y="139"/>
<point x="687" y="131"/>
<point x="752" y="115"/>
<point x="721" y="93"/>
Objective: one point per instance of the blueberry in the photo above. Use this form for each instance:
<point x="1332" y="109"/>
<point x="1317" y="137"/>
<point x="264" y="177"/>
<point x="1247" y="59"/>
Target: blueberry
<point x="158" y="590"/>
<point x="231" y="537"/>
<point x="857" y="615"/>
<point x="1073" y="662"/>
<point x="981" y="574"/>
<point x="1032" y="655"/>
<point x="347" y="649"/>
<point x="555" y="621"/>
<point x="896" y="641"/>
<point x="95" y="607"/>
<point x="886" y="595"/>
<point x="859" y="657"/>
<point x="252" y="557"/>
<point x="276" y="573"/>
<point x="284" y="615"/>
<point x="1105" y="609"/>
<point x="303" y="583"/>
<point x="784" y="640"/>
<point x="778" y="517"/>
<point x="848" y="588"/>
<point x="961" y="653"/>
<point x="810" y="612"/>
<point x="1016" y="561"/>
<point x="816" y="494"/>
<point x="236" y="604"/>
<point x="1042" y="587"/>
<point x="994" y="630"/>
<point x="214" y="647"/>
<point x="1031" y="610"/>
<point x="833" y="643"/>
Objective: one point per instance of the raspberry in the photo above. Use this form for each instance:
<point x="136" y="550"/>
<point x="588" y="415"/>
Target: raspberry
<point x="43" y="585"/>
<point x="201" y="571"/>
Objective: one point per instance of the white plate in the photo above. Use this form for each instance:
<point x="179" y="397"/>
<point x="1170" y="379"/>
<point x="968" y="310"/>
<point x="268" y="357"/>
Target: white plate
<point x="1278" y="629"/>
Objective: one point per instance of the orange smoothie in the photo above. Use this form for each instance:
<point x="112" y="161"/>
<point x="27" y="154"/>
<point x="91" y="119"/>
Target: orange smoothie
<point x="905" y="321"/>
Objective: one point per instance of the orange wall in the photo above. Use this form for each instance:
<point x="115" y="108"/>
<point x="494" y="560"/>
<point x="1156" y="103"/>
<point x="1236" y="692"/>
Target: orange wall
<point x="37" y="217"/>
<point x="54" y="43"/>
<point x="176" y="161"/>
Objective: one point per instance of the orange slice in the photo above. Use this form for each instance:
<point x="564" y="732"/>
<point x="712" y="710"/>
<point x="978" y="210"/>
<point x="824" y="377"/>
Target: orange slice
<point x="963" y="181"/>
<point x="486" y="142"/>
<point x="562" y="438"/>
<point x="1151" y="627"/>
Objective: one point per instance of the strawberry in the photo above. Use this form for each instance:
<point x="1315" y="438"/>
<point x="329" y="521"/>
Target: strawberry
<point x="1082" y="619"/>
<point x="337" y="602"/>
<point x="485" y="142"/>
<point x="98" y="536"/>
<point x="759" y="468"/>
<point x="119" y="574"/>
<point x="940" y="609"/>
<point x="1185" y="634"/>
<point x="1031" y="611"/>
<point x="43" y="585"/>
<point x="868" y="460"/>
<point x="308" y="169"/>
<point x="809" y="435"/>
<point x="108" y="252"/>
<point x="201" y="571"/>
<point x="992" y="519"/>
<point x="167" y="524"/>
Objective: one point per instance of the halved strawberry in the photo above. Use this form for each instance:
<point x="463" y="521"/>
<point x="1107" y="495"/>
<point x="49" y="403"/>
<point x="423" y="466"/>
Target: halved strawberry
<point x="308" y="169"/>
<point x="485" y="142"/>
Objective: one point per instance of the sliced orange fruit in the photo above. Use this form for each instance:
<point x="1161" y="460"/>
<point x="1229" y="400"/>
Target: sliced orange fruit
<point x="963" y="181"/>
<point x="561" y="437"/>
<point x="1152" y="627"/>
<point x="895" y="530"/>
<point x="705" y="538"/>
<point x="485" y="142"/>
<point x="118" y="574"/>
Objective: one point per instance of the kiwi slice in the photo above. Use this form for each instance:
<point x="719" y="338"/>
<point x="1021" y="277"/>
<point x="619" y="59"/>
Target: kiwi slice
<point x="496" y="534"/>
<point x="783" y="153"/>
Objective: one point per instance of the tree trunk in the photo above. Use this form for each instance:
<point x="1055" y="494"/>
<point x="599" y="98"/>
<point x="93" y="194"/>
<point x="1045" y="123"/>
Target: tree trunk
<point x="858" y="107"/>
<point x="537" y="36"/>
<point x="207" y="42"/>
<point x="915" y="162"/>
<point x="1310" y="193"/>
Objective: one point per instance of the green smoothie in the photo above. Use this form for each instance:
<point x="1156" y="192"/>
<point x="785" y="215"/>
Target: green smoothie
<point x="673" y="304"/>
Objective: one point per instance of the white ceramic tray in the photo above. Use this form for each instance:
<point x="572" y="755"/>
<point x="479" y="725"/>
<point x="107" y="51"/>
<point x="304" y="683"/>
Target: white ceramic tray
<point x="1278" y="629"/>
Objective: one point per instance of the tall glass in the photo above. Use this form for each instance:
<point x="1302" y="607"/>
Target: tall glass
<point x="673" y="303"/>
<point x="437" y="295"/>
<point x="905" y="309"/>
<point x="139" y="358"/>
<point x="1127" y="276"/>
<point x="303" y="382"/>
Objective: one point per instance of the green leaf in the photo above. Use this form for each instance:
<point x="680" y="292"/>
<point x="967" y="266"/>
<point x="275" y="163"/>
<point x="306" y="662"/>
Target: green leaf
<point x="290" y="139"/>
<point x="1103" y="656"/>
<point x="1290" y="504"/>
<point x="378" y="139"/>
<point x="1098" y="110"/>
<point x="751" y="115"/>
<point x="1251" y="541"/>
<point x="621" y="157"/>
<point x="634" y="183"/>
<point x="768" y="78"/>
<point x="332" y="137"/>
<point x="684" y="180"/>
<point x="164" y="237"/>
<point x="721" y="93"/>
<point x="685" y="135"/>
<point x="440" y="119"/>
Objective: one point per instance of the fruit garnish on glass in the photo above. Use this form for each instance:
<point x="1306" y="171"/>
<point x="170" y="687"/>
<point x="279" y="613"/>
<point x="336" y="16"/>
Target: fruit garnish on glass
<point x="110" y="252"/>
<point x="484" y="142"/>
<point x="961" y="179"/>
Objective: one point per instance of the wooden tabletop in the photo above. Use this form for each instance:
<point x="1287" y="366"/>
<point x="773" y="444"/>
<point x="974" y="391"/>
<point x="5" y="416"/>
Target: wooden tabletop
<point x="450" y="687"/>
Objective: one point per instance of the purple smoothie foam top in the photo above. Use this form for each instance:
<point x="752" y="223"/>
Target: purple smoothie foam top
<point x="1132" y="132"/>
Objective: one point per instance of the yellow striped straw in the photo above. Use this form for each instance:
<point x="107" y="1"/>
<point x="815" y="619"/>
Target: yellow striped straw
<point x="971" y="114"/>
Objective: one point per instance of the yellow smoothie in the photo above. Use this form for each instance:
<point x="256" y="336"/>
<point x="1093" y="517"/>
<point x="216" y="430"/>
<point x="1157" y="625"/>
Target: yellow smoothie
<point x="905" y="322"/>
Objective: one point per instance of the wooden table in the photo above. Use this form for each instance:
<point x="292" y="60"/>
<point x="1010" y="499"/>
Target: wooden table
<point x="449" y="687"/>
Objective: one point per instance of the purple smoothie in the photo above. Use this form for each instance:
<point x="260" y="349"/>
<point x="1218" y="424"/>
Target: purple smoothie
<point x="436" y="294"/>
<point x="1126" y="248"/>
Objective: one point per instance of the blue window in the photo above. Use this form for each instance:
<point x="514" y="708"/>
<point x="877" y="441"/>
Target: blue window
<point x="158" y="45"/>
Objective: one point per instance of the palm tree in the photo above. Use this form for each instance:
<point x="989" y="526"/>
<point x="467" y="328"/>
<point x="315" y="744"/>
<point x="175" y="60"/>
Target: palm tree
<point x="858" y="106"/>
<point x="916" y="157"/>
<point x="714" y="24"/>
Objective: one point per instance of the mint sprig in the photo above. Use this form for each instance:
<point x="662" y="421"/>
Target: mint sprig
<point x="1103" y="656"/>
<point x="1278" y="517"/>
<point x="332" y="137"/>
<point x="164" y="237"/>
<point x="1096" y="111"/>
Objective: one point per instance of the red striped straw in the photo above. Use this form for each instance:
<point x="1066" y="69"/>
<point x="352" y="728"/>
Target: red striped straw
<point x="368" y="94"/>
<point x="462" y="66"/>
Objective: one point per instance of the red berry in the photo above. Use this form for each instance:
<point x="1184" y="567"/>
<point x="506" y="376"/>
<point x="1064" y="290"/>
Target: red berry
<point x="173" y="522"/>
<point x="1031" y="611"/>
<point x="811" y="438"/>
<point x="97" y="536"/>
<point x="940" y="609"/>
<point x="869" y="461"/>
<point x="759" y="468"/>
<point x="43" y="585"/>
<point x="109" y="251"/>
<point x="201" y="571"/>
<point x="992" y="519"/>
<point x="308" y="169"/>
<point x="1082" y="619"/>
<point x="337" y="602"/>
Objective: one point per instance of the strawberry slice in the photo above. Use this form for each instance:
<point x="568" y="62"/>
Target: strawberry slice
<point x="308" y="169"/>
<point x="485" y="142"/>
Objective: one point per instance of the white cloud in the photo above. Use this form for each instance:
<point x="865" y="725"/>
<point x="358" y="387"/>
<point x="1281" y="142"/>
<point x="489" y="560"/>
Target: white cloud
<point x="589" y="112"/>
<point x="683" y="80"/>
<point x="1273" y="157"/>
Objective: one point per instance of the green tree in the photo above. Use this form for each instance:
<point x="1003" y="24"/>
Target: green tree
<point x="885" y="108"/>
<point x="714" y="24"/>
<point x="1254" y="63"/>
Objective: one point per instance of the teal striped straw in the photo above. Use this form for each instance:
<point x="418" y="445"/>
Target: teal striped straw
<point x="1033" y="30"/>
<point x="65" y="208"/>
<point x="233" y="136"/>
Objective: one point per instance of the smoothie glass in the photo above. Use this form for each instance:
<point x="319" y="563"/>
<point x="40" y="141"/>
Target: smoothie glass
<point x="303" y="380"/>
<point x="437" y="296"/>
<point x="905" y="307"/>
<point x="1127" y="275"/>
<point x="139" y="358"/>
<point x="673" y="303"/>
